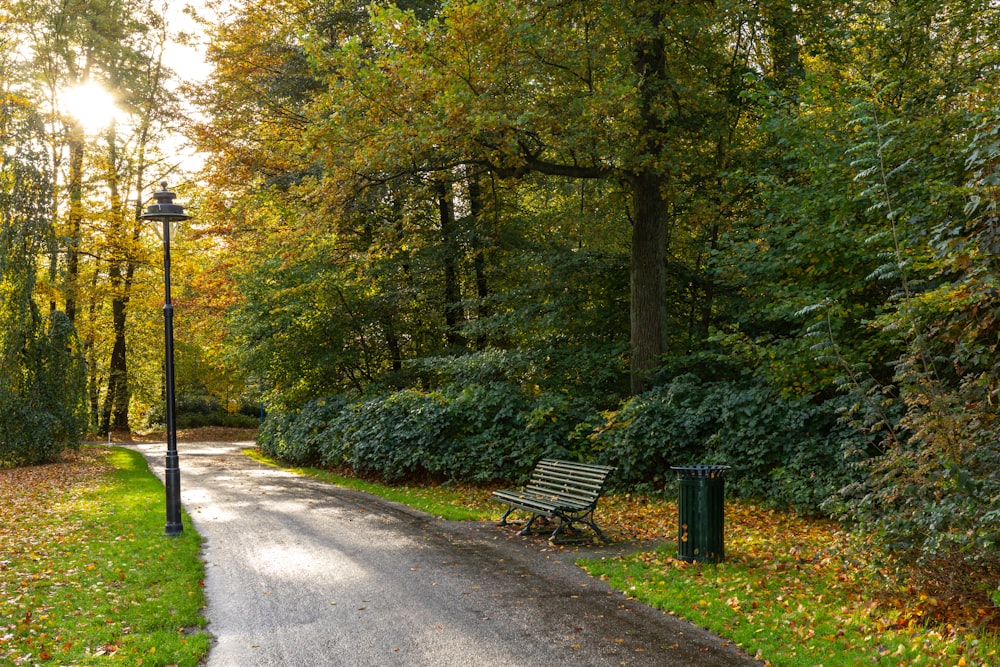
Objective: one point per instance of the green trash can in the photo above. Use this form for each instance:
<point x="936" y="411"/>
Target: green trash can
<point x="701" y="513"/>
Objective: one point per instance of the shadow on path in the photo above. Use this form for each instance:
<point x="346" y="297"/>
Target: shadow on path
<point x="303" y="573"/>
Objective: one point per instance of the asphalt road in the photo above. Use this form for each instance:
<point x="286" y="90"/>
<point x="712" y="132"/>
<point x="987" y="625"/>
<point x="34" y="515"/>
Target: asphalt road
<point x="305" y="574"/>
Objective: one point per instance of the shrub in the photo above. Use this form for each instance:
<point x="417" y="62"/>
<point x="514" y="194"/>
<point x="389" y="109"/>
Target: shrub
<point x="478" y="432"/>
<point x="782" y="449"/>
<point x="398" y="435"/>
<point x="665" y="426"/>
<point x="459" y="433"/>
<point x="300" y="437"/>
<point x="42" y="394"/>
<point x="201" y="410"/>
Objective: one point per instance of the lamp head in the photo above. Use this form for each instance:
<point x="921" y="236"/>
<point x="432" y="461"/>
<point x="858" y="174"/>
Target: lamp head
<point x="165" y="210"/>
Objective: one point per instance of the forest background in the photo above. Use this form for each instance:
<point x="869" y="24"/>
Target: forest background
<point x="440" y="240"/>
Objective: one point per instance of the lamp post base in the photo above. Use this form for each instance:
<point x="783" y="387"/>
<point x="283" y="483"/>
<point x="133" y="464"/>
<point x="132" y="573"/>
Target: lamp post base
<point x="172" y="481"/>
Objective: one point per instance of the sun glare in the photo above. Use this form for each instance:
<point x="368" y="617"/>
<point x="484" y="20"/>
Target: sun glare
<point x="92" y="105"/>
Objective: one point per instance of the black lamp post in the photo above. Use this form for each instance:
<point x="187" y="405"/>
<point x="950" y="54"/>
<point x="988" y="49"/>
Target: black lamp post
<point x="166" y="211"/>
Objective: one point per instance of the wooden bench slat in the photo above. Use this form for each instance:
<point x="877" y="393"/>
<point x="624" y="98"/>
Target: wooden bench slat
<point x="559" y="489"/>
<point x="562" y="483"/>
<point x="571" y="475"/>
<point x="571" y="479"/>
<point x="558" y="496"/>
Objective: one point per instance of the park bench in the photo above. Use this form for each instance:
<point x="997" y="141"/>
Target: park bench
<point x="562" y="490"/>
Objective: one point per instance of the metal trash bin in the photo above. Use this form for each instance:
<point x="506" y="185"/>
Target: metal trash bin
<point x="701" y="513"/>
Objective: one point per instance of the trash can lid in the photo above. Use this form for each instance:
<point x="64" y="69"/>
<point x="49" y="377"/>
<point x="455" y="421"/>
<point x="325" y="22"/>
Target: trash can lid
<point x="700" y="471"/>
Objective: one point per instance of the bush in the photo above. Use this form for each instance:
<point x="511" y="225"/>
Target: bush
<point x="779" y="448"/>
<point x="42" y="394"/>
<point x="653" y="431"/>
<point x="459" y="433"/>
<point x="301" y="437"/>
<point x="479" y="432"/>
<point x="933" y="495"/>
<point x="201" y="410"/>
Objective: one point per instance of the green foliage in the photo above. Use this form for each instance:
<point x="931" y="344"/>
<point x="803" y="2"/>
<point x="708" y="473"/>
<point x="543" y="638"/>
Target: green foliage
<point x="782" y="448"/>
<point x="461" y="433"/>
<point x="934" y="494"/>
<point x="300" y="436"/>
<point x="779" y="447"/>
<point x="593" y="371"/>
<point x="475" y="432"/>
<point x="42" y="372"/>
<point x="42" y="394"/>
<point x="199" y="410"/>
<point x="312" y="324"/>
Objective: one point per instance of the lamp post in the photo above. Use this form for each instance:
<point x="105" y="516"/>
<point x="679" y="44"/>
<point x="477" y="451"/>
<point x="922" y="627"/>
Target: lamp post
<point x="166" y="211"/>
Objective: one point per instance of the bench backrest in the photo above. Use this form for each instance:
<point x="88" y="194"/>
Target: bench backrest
<point x="578" y="482"/>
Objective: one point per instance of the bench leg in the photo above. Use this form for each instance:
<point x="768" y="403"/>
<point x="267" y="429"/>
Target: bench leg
<point x="561" y="525"/>
<point x="527" y="527"/>
<point x="503" y="519"/>
<point x="565" y="521"/>
<point x="590" y="522"/>
<point x="599" y="533"/>
<point x="559" y="529"/>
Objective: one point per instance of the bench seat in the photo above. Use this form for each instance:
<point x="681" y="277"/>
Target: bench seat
<point x="563" y="490"/>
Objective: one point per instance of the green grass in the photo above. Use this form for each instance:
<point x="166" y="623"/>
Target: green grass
<point x="454" y="503"/>
<point x="800" y="601"/>
<point x="87" y="575"/>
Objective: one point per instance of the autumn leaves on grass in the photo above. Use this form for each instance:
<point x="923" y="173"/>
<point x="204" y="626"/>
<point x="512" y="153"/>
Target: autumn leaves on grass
<point x="82" y="563"/>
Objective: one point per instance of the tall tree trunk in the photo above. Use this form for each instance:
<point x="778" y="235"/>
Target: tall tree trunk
<point x="454" y="315"/>
<point x="648" y="278"/>
<point x="392" y="343"/>
<point x="93" y="391"/>
<point x="76" y="149"/>
<point x="479" y="254"/>
<point x="710" y="287"/>
<point x="649" y="208"/>
<point x="90" y="351"/>
<point x="119" y="395"/>
<point x="116" y="401"/>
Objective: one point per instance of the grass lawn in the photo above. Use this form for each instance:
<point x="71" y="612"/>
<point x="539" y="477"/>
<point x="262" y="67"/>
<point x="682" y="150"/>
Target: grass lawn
<point x="793" y="591"/>
<point x="87" y="576"/>
<point x="802" y="592"/>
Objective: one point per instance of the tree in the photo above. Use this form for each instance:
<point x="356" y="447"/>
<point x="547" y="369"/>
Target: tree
<point x="118" y="46"/>
<point x="41" y="367"/>
<point x="561" y="90"/>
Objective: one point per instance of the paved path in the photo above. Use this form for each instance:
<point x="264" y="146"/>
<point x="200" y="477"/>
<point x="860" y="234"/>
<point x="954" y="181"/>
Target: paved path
<point x="304" y="574"/>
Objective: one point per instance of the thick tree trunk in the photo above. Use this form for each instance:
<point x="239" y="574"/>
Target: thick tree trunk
<point x="119" y="396"/>
<point x="93" y="380"/>
<point x="93" y="391"/>
<point x="118" y="389"/>
<point x="393" y="345"/>
<point x="649" y="208"/>
<point x="648" y="278"/>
